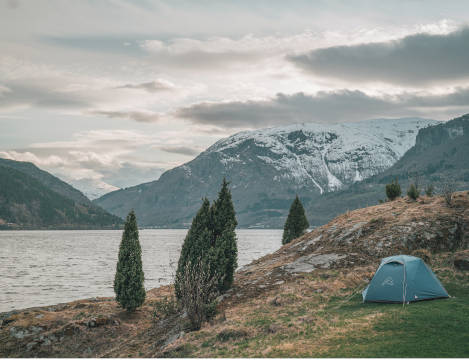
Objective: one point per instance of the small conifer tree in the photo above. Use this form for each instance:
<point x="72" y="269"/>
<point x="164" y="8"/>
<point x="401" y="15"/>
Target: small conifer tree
<point x="296" y="223"/>
<point x="129" y="278"/>
<point x="224" y="250"/>
<point x="196" y="243"/>
<point x="393" y="190"/>
<point x="413" y="192"/>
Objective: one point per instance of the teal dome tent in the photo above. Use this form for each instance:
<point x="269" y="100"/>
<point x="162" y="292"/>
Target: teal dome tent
<point x="403" y="278"/>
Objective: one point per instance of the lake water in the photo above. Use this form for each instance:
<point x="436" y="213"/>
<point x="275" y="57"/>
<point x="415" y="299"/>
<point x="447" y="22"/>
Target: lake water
<point x="47" y="267"/>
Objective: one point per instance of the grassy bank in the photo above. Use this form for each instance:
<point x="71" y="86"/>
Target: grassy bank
<point x="326" y="318"/>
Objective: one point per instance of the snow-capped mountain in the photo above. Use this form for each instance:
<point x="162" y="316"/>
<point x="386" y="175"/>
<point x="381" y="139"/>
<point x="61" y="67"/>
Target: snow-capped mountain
<point x="267" y="167"/>
<point x="328" y="156"/>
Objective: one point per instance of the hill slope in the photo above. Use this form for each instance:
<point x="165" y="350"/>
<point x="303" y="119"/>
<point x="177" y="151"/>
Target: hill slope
<point x="267" y="168"/>
<point x="50" y="181"/>
<point x="26" y="203"/>
<point x="301" y="301"/>
<point x="439" y="156"/>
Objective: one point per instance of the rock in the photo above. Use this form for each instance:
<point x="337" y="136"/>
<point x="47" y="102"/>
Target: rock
<point x="310" y="242"/>
<point x="18" y="333"/>
<point x="39" y="316"/>
<point x="36" y="329"/>
<point x="221" y="297"/>
<point x="173" y="338"/>
<point x="461" y="260"/>
<point x="30" y="345"/>
<point x="308" y="263"/>
<point x="280" y="282"/>
<point x="92" y="323"/>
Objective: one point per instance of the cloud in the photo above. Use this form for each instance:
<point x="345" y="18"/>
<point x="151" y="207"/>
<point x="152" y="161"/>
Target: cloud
<point x="324" y="107"/>
<point x="29" y="93"/>
<point x="139" y="116"/>
<point x="151" y="87"/>
<point x="418" y="59"/>
<point x="183" y="150"/>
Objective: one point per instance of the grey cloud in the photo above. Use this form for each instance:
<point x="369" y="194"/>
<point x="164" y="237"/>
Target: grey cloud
<point x="23" y="94"/>
<point x="151" y="87"/>
<point x="139" y="116"/>
<point x="183" y="150"/>
<point x="413" y="60"/>
<point x="324" y="107"/>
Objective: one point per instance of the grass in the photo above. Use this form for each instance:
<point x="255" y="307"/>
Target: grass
<point x="438" y="328"/>
<point x="338" y="324"/>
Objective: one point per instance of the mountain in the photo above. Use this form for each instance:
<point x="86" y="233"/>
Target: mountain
<point x="47" y="179"/>
<point x="31" y="198"/>
<point x="267" y="168"/>
<point x="440" y="155"/>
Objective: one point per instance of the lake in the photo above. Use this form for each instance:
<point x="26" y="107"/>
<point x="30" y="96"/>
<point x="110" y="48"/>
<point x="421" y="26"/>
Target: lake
<point x="48" y="267"/>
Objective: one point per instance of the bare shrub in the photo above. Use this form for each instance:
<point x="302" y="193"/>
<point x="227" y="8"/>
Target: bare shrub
<point x="448" y="189"/>
<point x="198" y="289"/>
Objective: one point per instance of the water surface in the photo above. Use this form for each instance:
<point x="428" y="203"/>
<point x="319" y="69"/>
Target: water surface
<point x="47" y="267"/>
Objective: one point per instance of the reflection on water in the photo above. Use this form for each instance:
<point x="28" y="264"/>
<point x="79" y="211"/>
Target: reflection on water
<point x="48" y="267"/>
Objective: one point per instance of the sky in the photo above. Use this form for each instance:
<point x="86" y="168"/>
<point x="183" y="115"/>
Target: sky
<point x="109" y="94"/>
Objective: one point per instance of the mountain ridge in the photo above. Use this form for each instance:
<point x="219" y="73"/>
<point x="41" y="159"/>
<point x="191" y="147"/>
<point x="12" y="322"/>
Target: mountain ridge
<point x="267" y="168"/>
<point x="31" y="198"/>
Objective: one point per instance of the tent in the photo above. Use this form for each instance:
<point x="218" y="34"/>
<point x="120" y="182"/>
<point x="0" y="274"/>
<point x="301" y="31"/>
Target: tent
<point x="403" y="278"/>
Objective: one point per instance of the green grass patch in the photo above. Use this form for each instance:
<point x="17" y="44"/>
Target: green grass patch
<point x="437" y="328"/>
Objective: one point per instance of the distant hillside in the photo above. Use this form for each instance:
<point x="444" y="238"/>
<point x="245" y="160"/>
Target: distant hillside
<point x="47" y="179"/>
<point x="440" y="154"/>
<point x="267" y="168"/>
<point x="28" y="203"/>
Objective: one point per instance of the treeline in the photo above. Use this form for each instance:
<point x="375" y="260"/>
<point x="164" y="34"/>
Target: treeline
<point x="414" y="191"/>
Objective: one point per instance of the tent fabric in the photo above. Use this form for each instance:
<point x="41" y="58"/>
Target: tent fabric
<point x="403" y="278"/>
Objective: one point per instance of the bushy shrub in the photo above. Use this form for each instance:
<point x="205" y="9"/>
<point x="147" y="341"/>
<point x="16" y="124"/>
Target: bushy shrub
<point x="166" y="307"/>
<point x="128" y="281"/>
<point x="413" y="192"/>
<point x="429" y="190"/>
<point x="393" y="190"/>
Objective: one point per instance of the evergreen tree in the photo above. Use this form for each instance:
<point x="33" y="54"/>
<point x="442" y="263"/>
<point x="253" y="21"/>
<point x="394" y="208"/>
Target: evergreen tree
<point x="196" y="243"/>
<point x="128" y="281"/>
<point x="296" y="223"/>
<point x="224" y="250"/>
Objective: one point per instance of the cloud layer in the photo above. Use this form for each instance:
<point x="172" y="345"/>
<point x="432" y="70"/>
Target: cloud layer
<point x="325" y="107"/>
<point x="419" y="59"/>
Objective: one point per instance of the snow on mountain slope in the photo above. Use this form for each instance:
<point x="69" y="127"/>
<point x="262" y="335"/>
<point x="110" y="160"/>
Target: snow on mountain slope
<point x="329" y="156"/>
